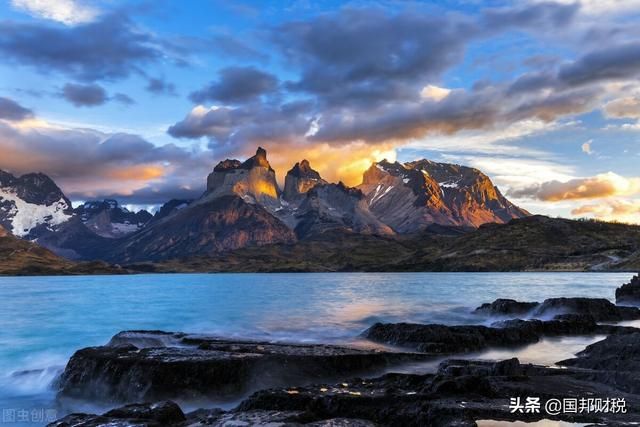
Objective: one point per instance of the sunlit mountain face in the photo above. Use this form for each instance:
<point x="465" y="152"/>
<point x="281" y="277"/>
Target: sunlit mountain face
<point x="138" y="101"/>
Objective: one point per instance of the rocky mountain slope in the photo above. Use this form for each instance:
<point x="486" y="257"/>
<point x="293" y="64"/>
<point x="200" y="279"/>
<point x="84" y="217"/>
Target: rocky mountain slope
<point x="409" y="197"/>
<point x="31" y="204"/>
<point x="108" y="219"/>
<point x="204" y="227"/>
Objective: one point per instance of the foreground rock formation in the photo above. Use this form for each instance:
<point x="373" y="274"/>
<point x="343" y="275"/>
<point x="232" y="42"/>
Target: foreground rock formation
<point x="324" y="385"/>
<point x="138" y="366"/>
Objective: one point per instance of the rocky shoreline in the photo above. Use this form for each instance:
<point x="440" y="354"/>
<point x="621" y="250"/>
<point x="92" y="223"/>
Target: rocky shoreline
<point x="328" y="385"/>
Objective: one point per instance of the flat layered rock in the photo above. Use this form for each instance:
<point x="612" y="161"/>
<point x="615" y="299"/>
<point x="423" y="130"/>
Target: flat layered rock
<point x="443" y="339"/>
<point x="602" y="310"/>
<point x="154" y="365"/>
<point x="459" y="394"/>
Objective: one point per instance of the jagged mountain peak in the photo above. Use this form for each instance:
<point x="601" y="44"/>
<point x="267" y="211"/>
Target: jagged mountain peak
<point x="258" y="160"/>
<point x="253" y="180"/>
<point x="303" y="169"/>
<point x="300" y="180"/>
<point x="337" y="206"/>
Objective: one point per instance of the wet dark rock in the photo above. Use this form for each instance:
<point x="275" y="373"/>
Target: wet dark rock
<point x="615" y="353"/>
<point x="196" y="366"/>
<point x="461" y="392"/>
<point x="629" y="293"/>
<point x="506" y="307"/>
<point x="443" y="339"/>
<point x="146" y="415"/>
<point x="602" y="310"/>
<point x="158" y="414"/>
<point x="448" y="339"/>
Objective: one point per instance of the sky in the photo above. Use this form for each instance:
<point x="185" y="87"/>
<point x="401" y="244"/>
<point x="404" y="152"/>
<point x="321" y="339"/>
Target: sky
<point x="138" y="100"/>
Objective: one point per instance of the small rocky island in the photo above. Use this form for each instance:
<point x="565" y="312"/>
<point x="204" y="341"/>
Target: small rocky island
<point x="144" y="373"/>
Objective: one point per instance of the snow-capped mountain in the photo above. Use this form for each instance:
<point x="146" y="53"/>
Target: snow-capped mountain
<point x="108" y="219"/>
<point x="31" y="204"/>
<point x="243" y="206"/>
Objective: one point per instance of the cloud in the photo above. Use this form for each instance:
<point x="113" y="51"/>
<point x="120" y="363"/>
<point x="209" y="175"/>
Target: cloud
<point x="367" y="56"/>
<point x="236" y="85"/>
<point x="161" y="87"/>
<point x="80" y="95"/>
<point x="586" y="147"/>
<point x="611" y="210"/>
<point x="123" y="99"/>
<point x="599" y="186"/>
<point x="251" y="125"/>
<point x="610" y="63"/>
<point x="109" y="48"/>
<point x="69" y="12"/>
<point x="231" y="46"/>
<point x="434" y="92"/>
<point x="91" y="95"/>
<point x="623" y="108"/>
<point x="90" y="164"/>
<point x="11" y="110"/>
<point x="601" y="7"/>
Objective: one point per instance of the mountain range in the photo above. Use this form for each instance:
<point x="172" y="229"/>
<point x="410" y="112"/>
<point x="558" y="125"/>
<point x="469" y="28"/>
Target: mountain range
<point x="400" y="207"/>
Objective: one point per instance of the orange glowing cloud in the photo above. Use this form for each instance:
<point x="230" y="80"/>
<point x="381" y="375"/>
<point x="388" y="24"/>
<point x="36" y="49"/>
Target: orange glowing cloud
<point x="611" y="210"/>
<point x="344" y="163"/>
<point x="136" y="173"/>
<point x="597" y="187"/>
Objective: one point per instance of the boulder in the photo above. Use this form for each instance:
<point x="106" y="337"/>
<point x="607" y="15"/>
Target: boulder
<point x="629" y="293"/>
<point x="506" y="307"/>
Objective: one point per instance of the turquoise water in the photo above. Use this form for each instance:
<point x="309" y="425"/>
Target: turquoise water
<point x="45" y="319"/>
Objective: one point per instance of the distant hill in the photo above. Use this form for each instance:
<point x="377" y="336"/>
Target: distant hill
<point x="19" y="257"/>
<point x="535" y="243"/>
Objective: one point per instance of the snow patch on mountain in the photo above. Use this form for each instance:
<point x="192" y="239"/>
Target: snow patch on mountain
<point x="24" y="216"/>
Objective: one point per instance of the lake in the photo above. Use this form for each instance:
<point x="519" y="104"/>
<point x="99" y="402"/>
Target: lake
<point x="45" y="319"/>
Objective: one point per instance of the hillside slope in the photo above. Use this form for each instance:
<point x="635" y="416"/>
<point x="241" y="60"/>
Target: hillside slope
<point x="22" y="258"/>
<point x="535" y="243"/>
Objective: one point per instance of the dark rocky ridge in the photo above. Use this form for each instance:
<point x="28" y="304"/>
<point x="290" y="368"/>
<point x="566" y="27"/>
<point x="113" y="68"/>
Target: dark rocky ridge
<point x="336" y="207"/>
<point x="171" y="207"/>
